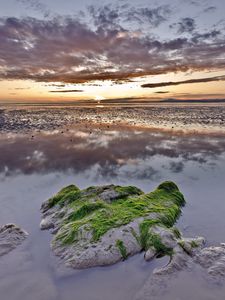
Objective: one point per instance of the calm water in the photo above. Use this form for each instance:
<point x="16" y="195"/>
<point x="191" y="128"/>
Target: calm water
<point x="34" y="168"/>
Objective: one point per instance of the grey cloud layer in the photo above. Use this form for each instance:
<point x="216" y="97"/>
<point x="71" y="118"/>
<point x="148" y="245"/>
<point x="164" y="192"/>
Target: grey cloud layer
<point x="105" y="45"/>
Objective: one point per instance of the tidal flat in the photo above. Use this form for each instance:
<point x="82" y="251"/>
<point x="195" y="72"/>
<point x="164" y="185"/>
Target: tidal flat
<point x="188" y="117"/>
<point x="43" y="149"/>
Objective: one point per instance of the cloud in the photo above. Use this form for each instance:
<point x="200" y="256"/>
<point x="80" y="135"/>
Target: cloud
<point x="67" y="91"/>
<point x="20" y="88"/>
<point x="105" y="46"/>
<point x="152" y="16"/>
<point x="197" y="37"/>
<point x="104" y="16"/>
<point x="171" y="83"/>
<point x="57" y="85"/>
<point x="116" y="15"/>
<point x="186" y="25"/>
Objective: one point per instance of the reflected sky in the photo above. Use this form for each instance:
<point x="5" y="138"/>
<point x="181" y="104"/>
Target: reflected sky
<point x="98" y="153"/>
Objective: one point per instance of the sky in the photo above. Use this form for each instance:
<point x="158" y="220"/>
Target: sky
<point x="54" y="50"/>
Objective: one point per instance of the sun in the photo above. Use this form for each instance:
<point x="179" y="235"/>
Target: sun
<point x="99" y="98"/>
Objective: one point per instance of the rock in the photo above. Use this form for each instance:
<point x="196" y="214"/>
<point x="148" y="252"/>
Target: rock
<point x="167" y="236"/>
<point x="186" y="255"/>
<point x="109" y="195"/>
<point x="46" y="224"/>
<point x="150" y="254"/>
<point x="192" y="245"/>
<point x="102" y="225"/>
<point x="211" y="258"/>
<point x="11" y="236"/>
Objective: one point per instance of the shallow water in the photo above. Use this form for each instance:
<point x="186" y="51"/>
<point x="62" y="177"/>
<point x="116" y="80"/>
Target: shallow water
<point x="34" y="168"/>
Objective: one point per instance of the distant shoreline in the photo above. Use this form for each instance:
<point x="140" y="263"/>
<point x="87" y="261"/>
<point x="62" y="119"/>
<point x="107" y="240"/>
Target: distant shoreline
<point x="193" y="101"/>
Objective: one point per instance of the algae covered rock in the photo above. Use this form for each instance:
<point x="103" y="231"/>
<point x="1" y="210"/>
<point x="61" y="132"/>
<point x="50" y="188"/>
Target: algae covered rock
<point x="102" y="225"/>
<point x="11" y="236"/>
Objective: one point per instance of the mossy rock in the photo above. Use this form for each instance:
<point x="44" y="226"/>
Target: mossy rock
<point x="105" y="224"/>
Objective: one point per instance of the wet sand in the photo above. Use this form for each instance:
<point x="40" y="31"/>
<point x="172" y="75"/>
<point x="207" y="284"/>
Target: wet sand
<point x="195" y="117"/>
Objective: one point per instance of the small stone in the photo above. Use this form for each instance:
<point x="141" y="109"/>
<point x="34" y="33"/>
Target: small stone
<point x="150" y="254"/>
<point x="46" y="224"/>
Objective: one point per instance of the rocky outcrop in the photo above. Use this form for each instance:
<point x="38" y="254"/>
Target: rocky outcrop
<point x="103" y="225"/>
<point x="11" y="236"/>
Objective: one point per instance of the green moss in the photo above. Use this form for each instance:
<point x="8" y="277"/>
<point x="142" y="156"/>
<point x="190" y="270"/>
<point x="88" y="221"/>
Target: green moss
<point x="172" y="214"/>
<point x="149" y="239"/>
<point x="176" y="232"/>
<point x="194" y="244"/>
<point x="128" y="190"/>
<point x="154" y="240"/>
<point x="97" y="216"/>
<point x="69" y="194"/>
<point x="122" y="249"/>
<point x="181" y="243"/>
<point x="145" y="227"/>
<point x="84" y="210"/>
<point x="168" y="186"/>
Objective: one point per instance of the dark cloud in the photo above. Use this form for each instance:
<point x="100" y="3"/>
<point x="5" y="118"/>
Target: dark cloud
<point x="197" y="37"/>
<point x="20" y="88"/>
<point x="104" y="16"/>
<point x="67" y="91"/>
<point x="162" y="92"/>
<point x="200" y="80"/>
<point x="116" y="15"/>
<point x="186" y="25"/>
<point x="154" y="17"/>
<point x="56" y="85"/>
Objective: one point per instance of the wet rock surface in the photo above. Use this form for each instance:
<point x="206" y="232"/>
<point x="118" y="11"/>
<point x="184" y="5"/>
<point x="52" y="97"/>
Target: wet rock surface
<point x="210" y="262"/>
<point x="11" y="236"/>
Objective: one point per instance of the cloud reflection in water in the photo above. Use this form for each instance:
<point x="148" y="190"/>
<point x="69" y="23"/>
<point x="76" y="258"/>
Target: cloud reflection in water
<point x="139" y="154"/>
